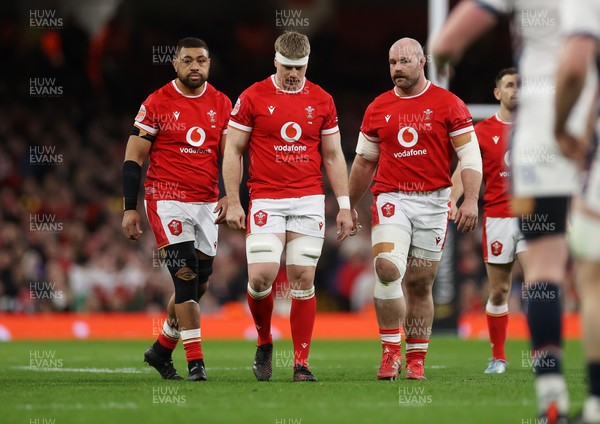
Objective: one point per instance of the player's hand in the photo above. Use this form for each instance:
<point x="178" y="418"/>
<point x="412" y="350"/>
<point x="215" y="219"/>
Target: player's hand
<point x="236" y="217"/>
<point x="356" y="227"/>
<point x="453" y="211"/>
<point x="466" y="217"/>
<point x="344" y="224"/>
<point x="572" y="147"/>
<point x="132" y="224"/>
<point x="221" y="209"/>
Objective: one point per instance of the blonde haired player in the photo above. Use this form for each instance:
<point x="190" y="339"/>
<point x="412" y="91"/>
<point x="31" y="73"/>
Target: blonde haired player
<point x="289" y="125"/>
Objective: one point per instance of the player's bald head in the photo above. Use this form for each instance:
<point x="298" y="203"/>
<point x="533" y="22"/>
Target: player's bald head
<point x="407" y="47"/>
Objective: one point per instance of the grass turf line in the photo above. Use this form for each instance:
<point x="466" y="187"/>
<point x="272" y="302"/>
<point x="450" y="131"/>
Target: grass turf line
<point x="100" y="382"/>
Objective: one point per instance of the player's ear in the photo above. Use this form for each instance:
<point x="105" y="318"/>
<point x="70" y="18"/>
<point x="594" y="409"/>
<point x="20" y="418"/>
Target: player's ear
<point x="174" y="62"/>
<point x="497" y="93"/>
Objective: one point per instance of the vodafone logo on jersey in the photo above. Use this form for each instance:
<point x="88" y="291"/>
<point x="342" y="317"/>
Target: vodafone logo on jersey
<point x="195" y="136"/>
<point x="408" y="137"/>
<point x="507" y="158"/>
<point x="291" y="132"/>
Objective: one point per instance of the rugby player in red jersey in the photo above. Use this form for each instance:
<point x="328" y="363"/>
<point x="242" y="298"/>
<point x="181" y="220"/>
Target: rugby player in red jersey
<point x="503" y="240"/>
<point x="181" y="128"/>
<point x="290" y="128"/>
<point x="406" y="143"/>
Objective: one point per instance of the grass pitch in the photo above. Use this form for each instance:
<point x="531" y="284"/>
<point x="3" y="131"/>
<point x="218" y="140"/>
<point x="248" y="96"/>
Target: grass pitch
<point x="106" y="382"/>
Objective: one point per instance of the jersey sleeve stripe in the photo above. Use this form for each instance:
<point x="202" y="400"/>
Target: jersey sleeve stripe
<point x="146" y="128"/>
<point x="461" y="131"/>
<point x="329" y="131"/>
<point x="488" y="7"/>
<point x="240" y="126"/>
<point x="372" y="139"/>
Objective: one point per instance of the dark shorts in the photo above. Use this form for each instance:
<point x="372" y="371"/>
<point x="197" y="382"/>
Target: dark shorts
<point x="549" y="217"/>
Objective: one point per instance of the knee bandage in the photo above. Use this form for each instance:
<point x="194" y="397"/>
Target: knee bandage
<point x="390" y="242"/>
<point x="303" y="251"/>
<point x="262" y="248"/>
<point x="182" y="263"/>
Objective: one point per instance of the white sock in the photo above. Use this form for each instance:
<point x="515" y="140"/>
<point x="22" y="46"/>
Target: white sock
<point x="549" y="388"/>
<point x="591" y="410"/>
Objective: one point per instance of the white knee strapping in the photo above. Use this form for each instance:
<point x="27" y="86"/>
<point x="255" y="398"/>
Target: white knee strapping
<point x="399" y="239"/>
<point x="303" y="251"/>
<point x="262" y="248"/>
<point x="391" y="290"/>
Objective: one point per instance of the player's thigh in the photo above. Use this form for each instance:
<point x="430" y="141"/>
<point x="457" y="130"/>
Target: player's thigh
<point x="170" y="221"/>
<point x="584" y="236"/>
<point x="302" y="254"/>
<point x="428" y="214"/>
<point x="306" y="216"/>
<point x="501" y="240"/>
<point x="544" y="230"/>
<point x="205" y="230"/>
<point x="265" y="232"/>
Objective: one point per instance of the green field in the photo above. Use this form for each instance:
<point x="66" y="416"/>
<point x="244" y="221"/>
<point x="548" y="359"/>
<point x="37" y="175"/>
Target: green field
<point x="106" y="382"/>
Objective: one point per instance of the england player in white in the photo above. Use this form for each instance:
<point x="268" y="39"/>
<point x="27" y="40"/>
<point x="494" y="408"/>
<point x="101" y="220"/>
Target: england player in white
<point x="543" y="178"/>
<point x="578" y="66"/>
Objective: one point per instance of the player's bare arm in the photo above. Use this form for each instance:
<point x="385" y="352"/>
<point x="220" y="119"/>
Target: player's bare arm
<point x="361" y="176"/>
<point x="335" y="167"/>
<point x="467" y="149"/>
<point x="466" y="23"/>
<point x="456" y="191"/>
<point x="135" y="153"/>
<point x="235" y="145"/>
<point x="222" y="203"/>
<point x="577" y="53"/>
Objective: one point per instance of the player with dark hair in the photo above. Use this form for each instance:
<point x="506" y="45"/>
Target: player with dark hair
<point x="503" y="240"/>
<point x="181" y="127"/>
<point x="290" y="127"/>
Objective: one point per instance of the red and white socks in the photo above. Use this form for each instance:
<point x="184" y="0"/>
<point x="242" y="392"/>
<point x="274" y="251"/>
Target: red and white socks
<point x="167" y="340"/>
<point x="192" y="345"/>
<point x="261" y="308"/>
<point x="497" y="320"/>
<point x="416" y="350"/>
<point x="302" y="322"/>
<point x="391" y="339"/>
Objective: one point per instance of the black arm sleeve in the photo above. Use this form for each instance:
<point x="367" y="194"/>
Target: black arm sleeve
<point x="132" y="176"/>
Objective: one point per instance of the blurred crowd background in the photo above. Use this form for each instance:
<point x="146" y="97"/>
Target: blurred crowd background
<point x="73" y="78"/>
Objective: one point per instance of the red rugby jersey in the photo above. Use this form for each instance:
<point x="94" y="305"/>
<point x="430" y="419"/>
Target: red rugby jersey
<point x="414" y="138"/>
<point x="184" y="154"/>
<point x="492" y="134"/>
<point x="285" y="137"/>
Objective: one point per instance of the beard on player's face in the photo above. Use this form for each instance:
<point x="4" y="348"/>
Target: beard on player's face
<point x="405" y="83"/>
<point x="511" y="104"/>
<point x="192" y="80"/>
